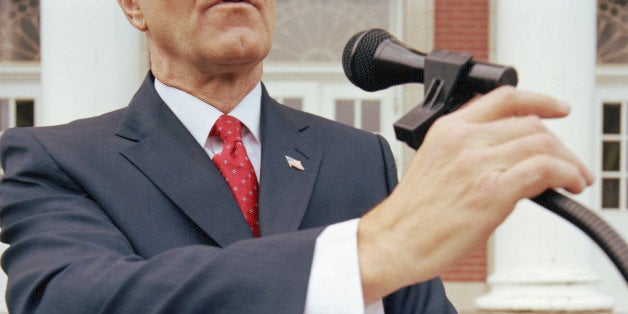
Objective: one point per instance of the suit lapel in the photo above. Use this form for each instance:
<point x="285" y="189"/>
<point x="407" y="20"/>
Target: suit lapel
<point x="284" y="191"/>
<point x="168" y="154"/>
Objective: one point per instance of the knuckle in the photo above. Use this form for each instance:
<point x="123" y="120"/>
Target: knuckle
<point x="450" y="128"/>
<point x="540" y="172"/>
<point x="505" y="93"/>
<point x="544" y="167"/>
<point x="534" y="123"/>
<point x="547" y="143"/>
<point x="462" y="130"/>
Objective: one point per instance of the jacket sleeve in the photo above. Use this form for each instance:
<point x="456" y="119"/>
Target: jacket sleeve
<point x="66" y="255"/>
<point x="389" y="164"/>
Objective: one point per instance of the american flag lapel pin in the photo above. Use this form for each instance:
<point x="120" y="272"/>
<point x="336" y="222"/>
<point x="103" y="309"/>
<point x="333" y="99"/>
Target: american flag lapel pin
<point x="294" y="163"/>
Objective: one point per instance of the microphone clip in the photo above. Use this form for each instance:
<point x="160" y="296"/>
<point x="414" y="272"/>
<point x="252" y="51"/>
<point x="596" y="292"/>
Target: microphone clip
<point x="446" y="91"/>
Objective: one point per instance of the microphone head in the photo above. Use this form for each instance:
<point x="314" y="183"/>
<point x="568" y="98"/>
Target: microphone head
<point x="374" y="60"/>
<point x="357" y="58"/>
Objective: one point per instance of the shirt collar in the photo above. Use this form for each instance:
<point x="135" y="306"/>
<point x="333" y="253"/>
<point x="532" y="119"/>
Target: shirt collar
<point x="199" y="117"/>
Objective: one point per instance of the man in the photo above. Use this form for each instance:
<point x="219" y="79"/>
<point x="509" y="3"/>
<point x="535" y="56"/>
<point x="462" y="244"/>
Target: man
<point x="127" y="213"/>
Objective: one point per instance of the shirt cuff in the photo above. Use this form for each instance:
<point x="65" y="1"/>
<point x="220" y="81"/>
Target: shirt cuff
<point x="335" y="285"/>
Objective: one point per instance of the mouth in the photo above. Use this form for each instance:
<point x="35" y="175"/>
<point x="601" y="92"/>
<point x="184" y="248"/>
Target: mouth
<point x="228" y="2"/>
<point x="220" y="3"/>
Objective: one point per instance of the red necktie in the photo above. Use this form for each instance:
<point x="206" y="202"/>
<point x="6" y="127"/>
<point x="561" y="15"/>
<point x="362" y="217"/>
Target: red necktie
<point x="237" y="169"/>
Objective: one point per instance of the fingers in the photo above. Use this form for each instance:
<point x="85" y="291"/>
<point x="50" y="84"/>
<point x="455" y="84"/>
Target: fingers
<point x="539" y="145"/>
<point x="514" y="145"/>
<point x="507" y="102"/>
<point x="534" y="175"/>
<point x="504" y="130"/>
<point x="509" y="126"/>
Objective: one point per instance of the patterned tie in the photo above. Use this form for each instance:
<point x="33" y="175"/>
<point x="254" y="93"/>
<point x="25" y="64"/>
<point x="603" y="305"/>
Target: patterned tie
<point x="236" y="168"/>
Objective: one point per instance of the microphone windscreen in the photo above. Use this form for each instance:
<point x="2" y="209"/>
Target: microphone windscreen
<point x="357" y="58"/>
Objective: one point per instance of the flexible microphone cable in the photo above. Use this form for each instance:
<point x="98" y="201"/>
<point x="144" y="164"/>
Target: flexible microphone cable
<point x="586" y="220"/>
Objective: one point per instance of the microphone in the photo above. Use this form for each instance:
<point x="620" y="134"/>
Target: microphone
<point x="374" y="60"/>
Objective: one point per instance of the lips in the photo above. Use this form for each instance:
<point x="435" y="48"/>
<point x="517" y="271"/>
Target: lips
<point x="234" y="1"/>
<point x="210" y="3"/>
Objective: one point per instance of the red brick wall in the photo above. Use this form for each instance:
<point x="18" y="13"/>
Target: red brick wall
<point x="472" y="269"/>
<point x="462" y="25"/>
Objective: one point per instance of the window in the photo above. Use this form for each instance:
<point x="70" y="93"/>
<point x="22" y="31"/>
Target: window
<point x="364" y="114"/>
<point x="19" y="62"/>
<point x="16" y="112"/>
<point x="614" y="164"/>
<point x="292" y="102"/>
<point x="612" y="31"/>
<point x="304" y="71"/>
<point x="19" y="30"/>
<point x="315" y="31"/>
<point x="612" y="57"/>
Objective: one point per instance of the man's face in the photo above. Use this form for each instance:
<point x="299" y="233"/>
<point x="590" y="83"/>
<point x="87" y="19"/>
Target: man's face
<point x="210" y="33"/>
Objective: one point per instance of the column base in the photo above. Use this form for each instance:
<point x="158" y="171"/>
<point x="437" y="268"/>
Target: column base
<point x="544" y="295"/>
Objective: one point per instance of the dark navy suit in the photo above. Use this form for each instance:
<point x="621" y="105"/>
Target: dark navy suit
<point x="126" y="213"/>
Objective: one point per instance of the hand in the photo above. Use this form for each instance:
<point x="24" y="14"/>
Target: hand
<point x="473" y="167"/>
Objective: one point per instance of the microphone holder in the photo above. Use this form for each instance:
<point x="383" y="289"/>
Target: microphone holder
<point x="443" y="74"/>
<point x="447" y="90"/>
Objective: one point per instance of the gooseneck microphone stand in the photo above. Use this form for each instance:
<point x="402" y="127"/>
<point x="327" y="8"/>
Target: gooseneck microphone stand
<point x="446" y="91"/>
<point x="375" y="60"/>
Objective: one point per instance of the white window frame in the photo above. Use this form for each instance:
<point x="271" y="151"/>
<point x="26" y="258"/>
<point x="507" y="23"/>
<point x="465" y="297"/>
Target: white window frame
<point x="611" y="88"/>
<point x="19" y="82"/>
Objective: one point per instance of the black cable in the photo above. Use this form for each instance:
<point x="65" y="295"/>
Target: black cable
<point x="597" y="229"/>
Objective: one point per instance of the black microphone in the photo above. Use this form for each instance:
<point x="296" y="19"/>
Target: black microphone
<point x="374" y="60"/>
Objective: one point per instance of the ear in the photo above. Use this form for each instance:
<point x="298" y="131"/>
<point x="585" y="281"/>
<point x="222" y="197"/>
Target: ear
<point x="133" y="13"/>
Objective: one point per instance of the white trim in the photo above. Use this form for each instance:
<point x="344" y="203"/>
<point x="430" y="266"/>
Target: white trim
<point x="395" y="18"/>
<point x="19" y="81"/>
<point x="611" y="74"/>
<point x="12" y="113"/>
<point x="492" y="34"/>
<point x="20" y="72"/>
<point x="287" y="72"/>
<point x="418" y="24"/>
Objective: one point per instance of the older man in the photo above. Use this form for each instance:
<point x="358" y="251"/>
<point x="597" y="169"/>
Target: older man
<point x="205" y="195"/>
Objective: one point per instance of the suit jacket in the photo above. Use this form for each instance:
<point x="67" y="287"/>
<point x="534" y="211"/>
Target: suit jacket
<point x="126" y="213"/>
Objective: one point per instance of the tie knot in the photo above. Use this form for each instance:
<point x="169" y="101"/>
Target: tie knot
<point x="228" y="129"/>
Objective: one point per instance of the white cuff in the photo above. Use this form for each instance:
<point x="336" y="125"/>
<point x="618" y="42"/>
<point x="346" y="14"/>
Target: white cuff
<point x="335" y="285"/>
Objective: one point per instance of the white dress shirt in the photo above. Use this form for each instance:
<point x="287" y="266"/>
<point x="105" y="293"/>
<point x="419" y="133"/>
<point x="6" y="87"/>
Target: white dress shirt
<point x="335" y="284"/>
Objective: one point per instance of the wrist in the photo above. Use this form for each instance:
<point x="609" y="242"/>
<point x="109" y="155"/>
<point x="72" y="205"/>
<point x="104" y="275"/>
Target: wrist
<point x="382" y="268"/>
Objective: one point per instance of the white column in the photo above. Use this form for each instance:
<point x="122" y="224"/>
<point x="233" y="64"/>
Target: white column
<point x="92" y="60"/>
<point x="3" y="284"/>
<point x="541" y="262"/>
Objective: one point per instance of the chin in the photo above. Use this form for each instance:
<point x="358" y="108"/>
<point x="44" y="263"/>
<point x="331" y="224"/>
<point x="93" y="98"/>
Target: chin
<point x="244" y="47"/>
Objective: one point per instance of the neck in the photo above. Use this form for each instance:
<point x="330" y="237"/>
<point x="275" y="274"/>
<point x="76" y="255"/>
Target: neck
<point x="221" y="88"/>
